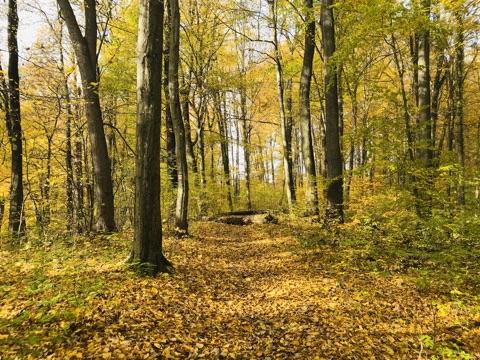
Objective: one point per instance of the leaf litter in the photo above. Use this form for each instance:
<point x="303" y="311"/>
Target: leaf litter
<point x="237" y="293"/>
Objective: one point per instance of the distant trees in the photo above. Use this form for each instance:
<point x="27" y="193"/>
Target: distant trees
<point x="261" y="108"/>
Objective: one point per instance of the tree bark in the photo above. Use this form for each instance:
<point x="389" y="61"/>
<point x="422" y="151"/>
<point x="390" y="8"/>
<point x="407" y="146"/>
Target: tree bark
<point x="81" y="220"/>
<point x="85" y="51"/>
<point x="185" y="104"/>
<point x="425" y="144"/>
<point x="334" y="186"/>
<point x="2" y="211"/>
<point x="459" y="106"/>
<point x="305" y="117"/>
<point x="170" y="133"/>
<point x="222" y="129"/>
<point x="16" y="223"/>
<point x="181" y="214"/>
<point x="246" y="128"/>
<point x="285" y="121"/>
<point x="147" y="253"/>
<point x="68" y="138"/>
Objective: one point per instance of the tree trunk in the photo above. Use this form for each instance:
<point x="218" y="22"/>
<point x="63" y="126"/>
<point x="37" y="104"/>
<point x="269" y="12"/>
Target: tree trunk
<point x="459" y="106"/>
<point x="68" y="139"/>
<point x="352" y="152"/>
<point x="246" y="143"/>
<point x="237" y="157"/>
<point x="188" y="130"/>
<point x="438" y="82"/>
<point x="212" y="151"/>
<point x="147" y="254"/>
<point x="85" y="51"/>
<point x="222" y="129"/>
<point x="181" y="214"/>
<point x="285" y="121"/>
<point x="272" y="160"/>
<point x="81" y="220"/>
<point x="201" y="152"/>
<point x="16" y="223"/>
<point x="406" y="113"/>
<point x="170" y="133"/>
<point x="334" y="186"/>
<point x="45" y="185"/>
<point x="2" y="211"/>
<point x="425" y="148"/>
<point x="305" y="117"/>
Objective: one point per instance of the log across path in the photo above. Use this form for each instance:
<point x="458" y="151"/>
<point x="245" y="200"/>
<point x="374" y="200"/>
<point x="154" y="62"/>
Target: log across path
<point x="244" y="292"/>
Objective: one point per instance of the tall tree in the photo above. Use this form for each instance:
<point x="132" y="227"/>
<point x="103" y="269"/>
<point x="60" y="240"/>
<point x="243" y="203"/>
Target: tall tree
<point x="181" y="213"/>
<point x="85" y="47"/>
<point x="305" y="116"/>
<point x="285" y="121"/>
<point x="16" y="223"/>
<point x="68" y="133"/>
<point x="459" y="103"/>
<point x="425" y="143"/>
<point x="147" y="246"/>
<point x="223" y="132"/>
<point x="170" y="133"/>
<point x="334" y="186"/>
<point x="246" y="132"/>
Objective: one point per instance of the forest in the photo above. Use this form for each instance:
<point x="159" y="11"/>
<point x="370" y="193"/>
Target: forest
<point x="239" y="179"/>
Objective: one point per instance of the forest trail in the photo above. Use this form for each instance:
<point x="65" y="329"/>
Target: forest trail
<point x="238" y="292"/>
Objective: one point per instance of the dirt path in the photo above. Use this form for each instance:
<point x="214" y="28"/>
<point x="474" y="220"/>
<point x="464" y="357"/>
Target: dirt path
<point x="248" y="292"/>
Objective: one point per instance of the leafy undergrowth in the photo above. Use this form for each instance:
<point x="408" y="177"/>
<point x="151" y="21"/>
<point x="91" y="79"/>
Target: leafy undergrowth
<point x="239" y="292"/>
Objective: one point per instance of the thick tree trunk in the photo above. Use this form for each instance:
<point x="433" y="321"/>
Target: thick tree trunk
<point x="285" y="121"/>
<point x="147" y="254"/>
<point x="16" y="223"/>
<point x="305" y="117"/>
<point x="181" y="214"/>
<point x="85" y="51"/>
<point x="334" y="186"/>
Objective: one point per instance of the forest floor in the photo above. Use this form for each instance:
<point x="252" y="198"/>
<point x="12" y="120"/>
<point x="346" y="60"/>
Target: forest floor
<point x="239" y="292"/>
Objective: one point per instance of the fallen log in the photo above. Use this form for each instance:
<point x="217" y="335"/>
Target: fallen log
<point x="242" y="218"/>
